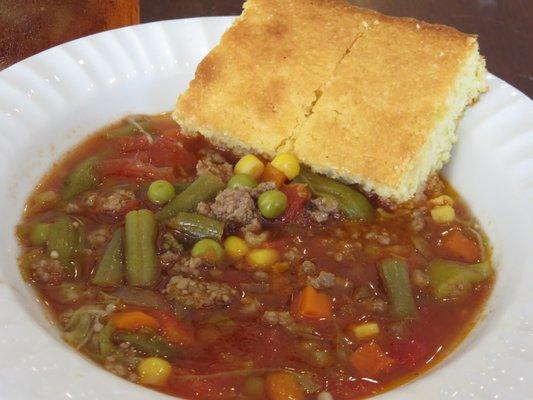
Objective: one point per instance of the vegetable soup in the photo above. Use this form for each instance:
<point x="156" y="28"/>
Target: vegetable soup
<point x="194" y="271"/>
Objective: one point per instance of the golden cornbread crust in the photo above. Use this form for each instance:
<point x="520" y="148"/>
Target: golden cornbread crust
<point x="356" y="95"/>
<point x="253" y="88"/>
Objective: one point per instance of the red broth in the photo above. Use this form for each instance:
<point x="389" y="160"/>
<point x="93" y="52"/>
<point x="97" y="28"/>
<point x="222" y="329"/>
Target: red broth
<point x="310" y="301"/>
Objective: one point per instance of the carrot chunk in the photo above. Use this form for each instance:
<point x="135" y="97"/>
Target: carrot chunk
<point x="283" y="386"/>
<point x="272" y="174"/>
<point x="312" y="304"/>
<point x="461" y="247"/>
<point x="133" y="320"/>
<point x="370" y="360"/>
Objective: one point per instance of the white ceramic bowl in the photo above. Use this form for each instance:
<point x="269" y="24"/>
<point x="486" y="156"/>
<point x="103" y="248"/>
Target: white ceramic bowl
<point x="50" y="102"/>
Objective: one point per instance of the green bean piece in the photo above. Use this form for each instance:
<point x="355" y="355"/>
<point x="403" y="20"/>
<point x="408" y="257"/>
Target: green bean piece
<point x="110" y="270"/>
<point x="395" y="277"/>
<point x="149" y="344"/>
<point x="44" y="200"/>
<point x="353" y="204"/>
<point x="78" y="329"/>
<point x="81" y="178"/>
<point x="63" y="241"/>
<point x="140" y="297"/>
<point x="196" y="226"/>
<point x="141" y="261"/>
<point x="133" y="127"/>
<point x="103" y="339"/>
<point x="204" y="188"/>
<point x="181" y="186"/>
<point x="39" y="234"/>
<point x="71" y="292"/>
<point x="254" y="387"/>
<point x="451" y="279"/>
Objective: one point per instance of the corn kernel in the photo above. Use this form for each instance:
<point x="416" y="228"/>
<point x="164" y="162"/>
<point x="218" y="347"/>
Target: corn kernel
<point x="250" y="165"/>
<point x="364" y="331"/>
<point x="280" y="266"/>
<point x="288" y="164"/>
<point x="236" y="248"/>
<point x="443" y="214"/>
<point x="262" y="258"/>
<point x="154" y="371"/>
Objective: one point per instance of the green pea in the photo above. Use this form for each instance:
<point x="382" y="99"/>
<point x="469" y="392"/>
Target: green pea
<point x="272" y="203"/>
<point x="39" y="234"/>
<point x="241" y="180"/>
<point x="161" y="192"/>
<point x="208" y="250"/>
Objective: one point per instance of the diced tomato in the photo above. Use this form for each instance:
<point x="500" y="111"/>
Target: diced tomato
<point x="205" y="389"/>
<point x="135" y="168"/>
<point x="132" y="143"/>
<point x="173" y="330"/>
<point x="298" y="195"/>
<point x="169" y="152"/>
<point x="164" y="151"/>
<point x="408" y="352"/>
<point x="166" y="126"/>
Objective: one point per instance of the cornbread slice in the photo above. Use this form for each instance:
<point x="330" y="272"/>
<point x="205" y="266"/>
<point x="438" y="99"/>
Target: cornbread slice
<point x="387" y="117"/>
<point x="253" y="88"/>
<point x="356" y="95"/>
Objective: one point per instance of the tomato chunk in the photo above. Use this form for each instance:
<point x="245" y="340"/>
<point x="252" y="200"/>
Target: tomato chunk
<point x="173" y="330"/>
<point x="298" y="195"/>
<point x="135" y="168"/>
<point x="169" y="152"/>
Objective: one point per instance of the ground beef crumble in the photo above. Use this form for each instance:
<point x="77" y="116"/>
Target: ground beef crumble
<point x="323" y="208"/>
<point x="48" y="271"/>
<point x="116" y="201"/>
<point x="261" y="188"/>
<point x="285" y="320"/>
<point x="234" y="205"/>
<point x="98" y="237"/>
<point x="382" y="238"/>
<point x="418" y="221"/>
<point x="216" y="164"/>
<point x="113" y="203"/>
<point x="281" y="318"/>
<point x="169" y="258"/>
<point x="197" y="294"/>
<point x="187" y="266"/>
<point x="324" y="280"/>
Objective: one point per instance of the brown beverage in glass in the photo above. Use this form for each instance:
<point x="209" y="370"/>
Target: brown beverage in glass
<point x="30" y="26"/>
